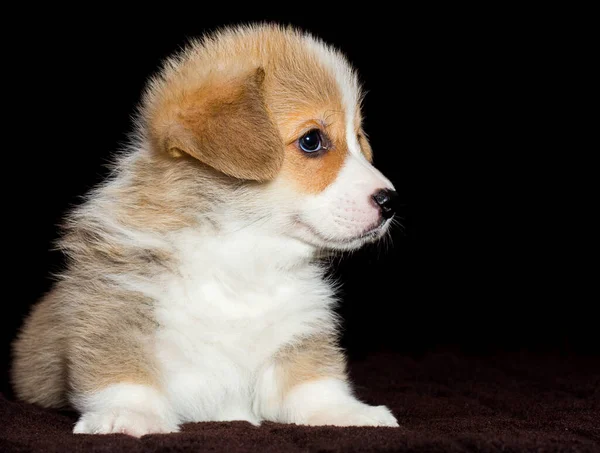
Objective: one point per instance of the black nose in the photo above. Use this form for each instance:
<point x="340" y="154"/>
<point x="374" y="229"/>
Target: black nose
<point x="385" y="199"/>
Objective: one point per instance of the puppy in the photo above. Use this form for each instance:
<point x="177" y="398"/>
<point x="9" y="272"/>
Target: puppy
<point x="193" y="289"/>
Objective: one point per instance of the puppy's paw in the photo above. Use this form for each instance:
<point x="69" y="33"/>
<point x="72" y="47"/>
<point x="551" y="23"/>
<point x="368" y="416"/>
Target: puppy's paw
<point x="124" y="421"/>
<point x="354" y="415"/>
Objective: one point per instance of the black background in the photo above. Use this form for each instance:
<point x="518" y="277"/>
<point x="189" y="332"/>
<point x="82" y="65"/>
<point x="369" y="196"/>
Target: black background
<point x="455" y="111"/>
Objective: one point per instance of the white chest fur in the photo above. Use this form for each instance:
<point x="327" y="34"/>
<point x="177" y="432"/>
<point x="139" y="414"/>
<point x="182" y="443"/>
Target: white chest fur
<point x="233" y="304"/>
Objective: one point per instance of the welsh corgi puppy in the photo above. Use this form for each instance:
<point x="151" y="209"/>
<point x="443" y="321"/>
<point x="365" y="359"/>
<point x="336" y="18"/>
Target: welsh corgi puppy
<point x="194" y="288"/>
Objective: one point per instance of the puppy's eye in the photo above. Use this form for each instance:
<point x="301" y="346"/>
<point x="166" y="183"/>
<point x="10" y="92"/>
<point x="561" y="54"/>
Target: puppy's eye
<point x="311" y="142"/>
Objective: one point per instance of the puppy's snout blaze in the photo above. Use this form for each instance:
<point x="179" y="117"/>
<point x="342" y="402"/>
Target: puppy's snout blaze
<point x="385" y="200"/>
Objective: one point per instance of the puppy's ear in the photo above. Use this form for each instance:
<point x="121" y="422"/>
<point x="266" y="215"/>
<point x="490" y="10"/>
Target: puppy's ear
<point x="224" y="123"/>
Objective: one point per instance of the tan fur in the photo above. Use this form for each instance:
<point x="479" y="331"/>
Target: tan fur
<point x="108" y="342"/>
<point x="223" y="123"/>
<point x="310" y="174"/>
<point x="39" y="374"/>
<point x="313" y="358"/>
<point x="161" y="195"/>
<point x="365" y="146"/>
<point x="227" y="109"/>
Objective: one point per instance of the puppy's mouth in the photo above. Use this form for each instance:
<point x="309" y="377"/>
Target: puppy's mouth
<point x="377" y="229"/>
<point x="370" y="235"/>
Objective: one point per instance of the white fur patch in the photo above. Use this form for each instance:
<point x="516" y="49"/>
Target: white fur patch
<point x="330" y="402"/>
<point x="125" y="408"/>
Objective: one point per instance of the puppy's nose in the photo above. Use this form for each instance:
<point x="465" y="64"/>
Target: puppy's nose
<point x="385" y="199"/>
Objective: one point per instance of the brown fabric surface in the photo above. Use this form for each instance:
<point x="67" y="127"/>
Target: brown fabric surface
<point x="444" y="401"/>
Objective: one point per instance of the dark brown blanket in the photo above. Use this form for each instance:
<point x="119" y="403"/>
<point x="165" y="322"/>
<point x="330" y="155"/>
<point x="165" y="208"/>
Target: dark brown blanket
<point x="444" y="402"/>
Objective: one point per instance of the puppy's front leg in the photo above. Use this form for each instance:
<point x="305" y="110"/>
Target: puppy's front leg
<point x="114" y="384"/>
<point x="307" y="385"/>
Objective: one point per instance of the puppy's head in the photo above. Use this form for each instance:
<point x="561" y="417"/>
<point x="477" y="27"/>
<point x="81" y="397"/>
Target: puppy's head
<point x="280" y="109"/>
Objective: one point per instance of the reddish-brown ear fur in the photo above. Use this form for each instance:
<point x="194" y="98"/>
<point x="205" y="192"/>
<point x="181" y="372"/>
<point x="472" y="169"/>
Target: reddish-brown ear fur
<point x="224" y="124"/>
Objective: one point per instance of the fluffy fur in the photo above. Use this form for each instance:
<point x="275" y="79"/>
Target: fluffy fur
<point x="193" y="291"/>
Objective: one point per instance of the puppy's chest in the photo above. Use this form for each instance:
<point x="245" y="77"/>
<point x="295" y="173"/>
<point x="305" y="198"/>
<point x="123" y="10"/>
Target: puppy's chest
<point x="247" y="321"/>
<point x="227" y="314"/>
